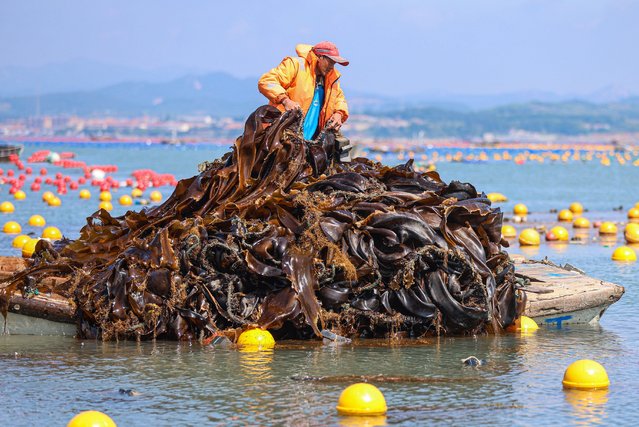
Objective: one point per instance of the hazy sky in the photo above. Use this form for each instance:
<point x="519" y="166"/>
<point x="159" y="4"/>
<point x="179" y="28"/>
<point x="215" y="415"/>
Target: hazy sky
<point x="472" y="47"/>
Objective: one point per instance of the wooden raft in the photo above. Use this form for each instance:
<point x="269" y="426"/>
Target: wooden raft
<point x="555" y="295"/>
<point x="564" y="295"/>
<point x="47" y="306"/>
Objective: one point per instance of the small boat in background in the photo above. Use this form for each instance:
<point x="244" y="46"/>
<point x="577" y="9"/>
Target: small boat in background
<point x="7" y="151"/>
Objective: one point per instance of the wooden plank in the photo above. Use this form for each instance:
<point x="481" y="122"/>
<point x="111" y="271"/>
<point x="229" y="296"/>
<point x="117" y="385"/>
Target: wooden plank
<point x="48" y="306"/>
<point x="572" y="292"/>
<point x="563" y="291"/>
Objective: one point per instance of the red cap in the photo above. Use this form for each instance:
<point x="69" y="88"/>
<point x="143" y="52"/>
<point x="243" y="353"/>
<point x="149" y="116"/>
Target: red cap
<point x="330" y="50"/>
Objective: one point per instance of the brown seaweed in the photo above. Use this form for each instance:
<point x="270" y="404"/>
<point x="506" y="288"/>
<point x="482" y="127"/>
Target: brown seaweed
<point x="278" y="233"/>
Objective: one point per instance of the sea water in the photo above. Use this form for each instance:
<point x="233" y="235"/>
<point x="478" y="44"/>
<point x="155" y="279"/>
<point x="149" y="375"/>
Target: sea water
<point x="46" y="380"/>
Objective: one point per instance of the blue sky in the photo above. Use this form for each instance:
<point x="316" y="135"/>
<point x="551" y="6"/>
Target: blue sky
<point x="401" y="47"/>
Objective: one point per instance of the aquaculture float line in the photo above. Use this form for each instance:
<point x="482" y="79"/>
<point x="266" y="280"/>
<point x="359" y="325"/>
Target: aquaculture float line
<point x="279" y="234"/>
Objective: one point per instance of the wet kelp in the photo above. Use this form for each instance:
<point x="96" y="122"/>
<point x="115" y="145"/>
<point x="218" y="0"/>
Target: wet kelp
<point x="278" y="234"/>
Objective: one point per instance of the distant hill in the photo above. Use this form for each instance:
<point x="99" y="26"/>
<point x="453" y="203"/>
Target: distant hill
<point x="222" y="95"/>
<point x="78" y="75"/>
<point x="566" y="118"/>
<point x="217" y="94"/>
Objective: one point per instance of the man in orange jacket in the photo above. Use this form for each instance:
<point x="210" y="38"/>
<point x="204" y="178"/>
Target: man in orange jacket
<point x="310" y="83"/>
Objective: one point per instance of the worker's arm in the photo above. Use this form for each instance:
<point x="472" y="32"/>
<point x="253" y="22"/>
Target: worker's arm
<point x="273" y="84"/>
<point x="340" y="103"/>
<point x="340" y="111"/>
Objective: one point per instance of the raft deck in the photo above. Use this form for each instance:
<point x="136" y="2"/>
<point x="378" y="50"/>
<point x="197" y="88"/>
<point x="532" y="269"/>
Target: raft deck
<point x="564" y="295"/>
<point x="555" y="296"/>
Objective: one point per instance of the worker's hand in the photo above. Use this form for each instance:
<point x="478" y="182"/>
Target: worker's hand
<point x="290" y="105"/>
<point x="335" y="122"/>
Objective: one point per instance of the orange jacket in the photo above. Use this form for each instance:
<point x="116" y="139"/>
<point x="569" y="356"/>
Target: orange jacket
<point x="295" y="78"/>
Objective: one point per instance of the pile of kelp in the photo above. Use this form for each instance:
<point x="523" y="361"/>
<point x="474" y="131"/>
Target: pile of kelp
<point x="278" y="233"/>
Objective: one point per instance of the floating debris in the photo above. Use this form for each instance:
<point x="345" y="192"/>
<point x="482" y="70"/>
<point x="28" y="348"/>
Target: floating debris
<point x="333" y="337"/>
<point x="279" y="234"/>
<point x="129" y="392"/>
<point x="473" y="361"/>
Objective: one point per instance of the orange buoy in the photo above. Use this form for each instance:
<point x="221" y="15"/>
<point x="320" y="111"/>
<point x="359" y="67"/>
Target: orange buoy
<point x="565" y="215"/>
<point x="631" y="232"/>
<point x="126" y="200"/>
<point x="12" y="227"/>
<point x="52" y="233"/>
<point x="557" y="233"/>
<point x="529" y="237"/>
<point x="155" y="196"/>
<point x="7" y="207"/>
<point x="106" y="205"/>
<point x="47" y="195"/>
<point x="508" y="231"/>
<point x="576" y="208"/>
<point x="520" y="209"/>
<point x="581" y="222"/>
<point x="607" y="228"/>
<point x="37" y="221"/>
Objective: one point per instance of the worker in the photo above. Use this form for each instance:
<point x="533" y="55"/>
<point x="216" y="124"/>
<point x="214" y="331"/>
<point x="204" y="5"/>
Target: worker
<point x="310" y="83"/>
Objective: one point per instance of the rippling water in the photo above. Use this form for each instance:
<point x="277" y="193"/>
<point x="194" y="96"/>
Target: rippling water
<point x="46" y="380"/>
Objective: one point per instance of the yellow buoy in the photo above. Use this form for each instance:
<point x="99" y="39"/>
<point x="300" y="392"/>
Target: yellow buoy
<point x="106" y="205"/>
<point x="54" y="201"/>
<point x="607" y="228"/>
<point x="361" y="399"/>
<point x="624" y="253"/>
<point x="91" y="419"/>
<point x="12" y="227"/>
<point x="47" y="195"/>
<point x="586" y="375"/>
<point x="559" y="233"/>
<point x="256" y="338"/>
<point x="523" y="324"/>
<point x="37" y="221"/>
<point x="581" y="222"/>
<point x="508" y="231"/>
<point x="20" y="240"/>
<point x="51" y="233"/>
<point x="7" y="207"/>
<point x="631" y="233"/>
<point x="29" y="248"/>
<point x="520" y="209"/>
<point x="496" y="197"/>
<point x="529" y="237"/>
<point x="85" y="194"/>
<point x="576" y="208"/>
<point x="564" y="215"/>
<point x="136" y="192"/>
<point x="633" y="213"/>
<point x="155" y="196"/>
<point x="126" y="200"/>
<point x="106" y="196"/>
<point x="19" y="195"/>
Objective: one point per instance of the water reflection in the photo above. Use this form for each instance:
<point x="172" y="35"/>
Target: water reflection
<point x="608" y="239"/>
<point x="558" y="247"/>
<point x="582" y="234"/>
<point x="588" y="406"/>
<point x="529" y="251"/>
<point x="379" y="420"/>
<point x="256" y="366"/>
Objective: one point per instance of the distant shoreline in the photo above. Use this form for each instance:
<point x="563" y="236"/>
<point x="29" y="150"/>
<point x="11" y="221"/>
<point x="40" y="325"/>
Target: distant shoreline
<point x="127" y="141"/>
